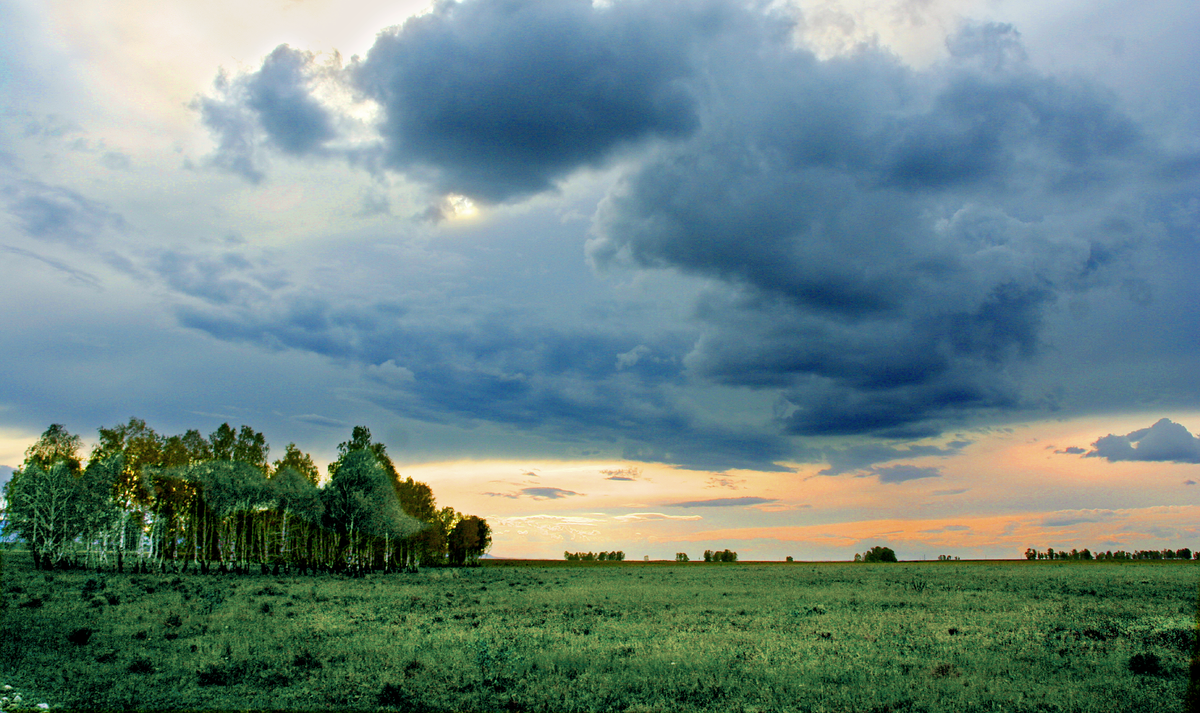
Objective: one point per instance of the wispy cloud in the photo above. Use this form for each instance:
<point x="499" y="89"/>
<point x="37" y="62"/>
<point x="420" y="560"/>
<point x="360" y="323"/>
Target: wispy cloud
<point x="541" y="493"/>
<point x="627" y="474"/>
<point x="902" y="473"/>
<point x="722" y="502"/>
<point x="643" y="516"/>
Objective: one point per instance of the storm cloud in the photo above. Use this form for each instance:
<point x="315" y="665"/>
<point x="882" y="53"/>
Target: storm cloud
<point x="497" y="100"/>
<point x="883" y="249"/>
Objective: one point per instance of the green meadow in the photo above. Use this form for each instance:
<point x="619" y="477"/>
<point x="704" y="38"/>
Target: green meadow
<point x="612" y="636"/>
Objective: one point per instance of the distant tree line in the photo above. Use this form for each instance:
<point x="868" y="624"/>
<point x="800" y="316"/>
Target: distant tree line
<point x="218" y="503"/>
<point x="1085" y="554"/>
<point x="617" y="556"/>
<point x="722" y="556"/>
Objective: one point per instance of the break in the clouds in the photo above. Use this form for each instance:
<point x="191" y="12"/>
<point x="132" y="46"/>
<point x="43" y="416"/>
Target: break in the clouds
<point x="1165" y="441"/>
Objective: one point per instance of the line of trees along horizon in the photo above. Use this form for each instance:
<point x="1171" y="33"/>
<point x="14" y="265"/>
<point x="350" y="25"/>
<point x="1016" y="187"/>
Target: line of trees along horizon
<point x="219" y="502"/>
<point x="1085" y="554"/>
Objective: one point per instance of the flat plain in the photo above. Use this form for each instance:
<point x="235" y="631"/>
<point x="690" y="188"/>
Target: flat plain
<point x="612" y="636"/>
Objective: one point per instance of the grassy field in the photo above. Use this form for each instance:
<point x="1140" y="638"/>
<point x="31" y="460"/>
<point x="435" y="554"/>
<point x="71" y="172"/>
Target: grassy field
<point x="511" y="636"/>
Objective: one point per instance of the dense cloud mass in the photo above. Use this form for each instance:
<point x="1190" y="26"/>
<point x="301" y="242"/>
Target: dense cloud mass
<point x="882" y="247"/>
<point x="1165" y="441"/>
<point x="887" y="241"/>
<point x="500" y="99"/>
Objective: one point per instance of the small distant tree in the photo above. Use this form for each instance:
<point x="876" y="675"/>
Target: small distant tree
<point x="879" y="554"/>
<point x="789" y="558"/>
<point x="681" y="557"/>
<point x="1031" y="554"/>
<point x="708" y="555"/>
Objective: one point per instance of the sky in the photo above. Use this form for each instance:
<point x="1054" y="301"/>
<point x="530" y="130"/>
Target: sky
<point x="792" y="278"/>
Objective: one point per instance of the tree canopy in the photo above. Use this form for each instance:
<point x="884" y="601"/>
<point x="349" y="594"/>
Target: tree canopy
<point x="220" y="501"/>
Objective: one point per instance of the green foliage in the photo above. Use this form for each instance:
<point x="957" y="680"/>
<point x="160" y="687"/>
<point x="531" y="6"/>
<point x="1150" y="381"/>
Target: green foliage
<point x="615" y="556"/>
<point x="469" y="539"/>
<point x="720" y="556"/>
<point x="296" y="460"/>
<point x="46" y="508"/>
<point x="190" y="499"/>
<point x="55" y="445"/>
<point x="681" y="557"/>
<point x="877" y="553"/>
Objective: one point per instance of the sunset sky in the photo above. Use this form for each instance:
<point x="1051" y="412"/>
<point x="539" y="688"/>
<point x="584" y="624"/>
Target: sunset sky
<point x="788" y="278"/>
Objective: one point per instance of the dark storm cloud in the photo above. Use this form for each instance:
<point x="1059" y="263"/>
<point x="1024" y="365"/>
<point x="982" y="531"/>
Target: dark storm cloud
<point x="883" y="247"/>
<point x="722" y="502"/>
<point x="1165" y="441"/>
<point x="500" y="98"/>
<point x="887" y="242"/>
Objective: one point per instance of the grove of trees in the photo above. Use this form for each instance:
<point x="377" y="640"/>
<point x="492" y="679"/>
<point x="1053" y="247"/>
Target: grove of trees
<point x="616" y="556"/>
<point x="721" y="556"/>
<point x="217" y="502"/>
<point x="876" y="554"/>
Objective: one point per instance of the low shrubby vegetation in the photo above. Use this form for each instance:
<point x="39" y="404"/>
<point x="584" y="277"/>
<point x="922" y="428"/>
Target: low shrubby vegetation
<point x="1011" y="636"/>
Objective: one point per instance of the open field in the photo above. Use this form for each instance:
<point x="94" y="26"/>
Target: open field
<point x="944" y="636"/>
